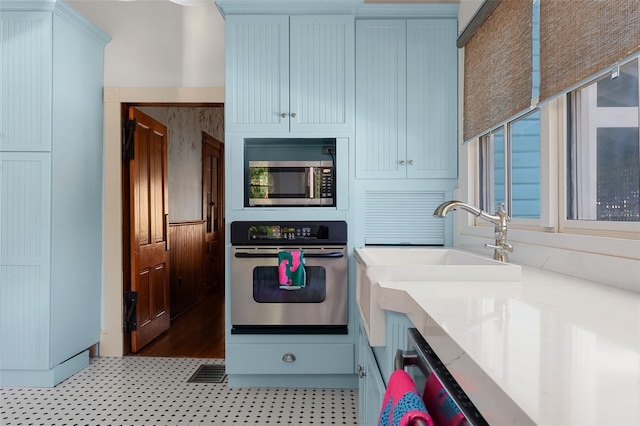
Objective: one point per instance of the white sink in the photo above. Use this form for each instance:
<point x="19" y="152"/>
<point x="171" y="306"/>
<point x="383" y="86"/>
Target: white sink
<point x="423" y="266"/>
<point x="432" y="264"/>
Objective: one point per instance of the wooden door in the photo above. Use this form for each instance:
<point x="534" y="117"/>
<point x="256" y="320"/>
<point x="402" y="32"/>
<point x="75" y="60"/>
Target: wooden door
<point x="213" y="210"/>
<point x="149" y="228"/>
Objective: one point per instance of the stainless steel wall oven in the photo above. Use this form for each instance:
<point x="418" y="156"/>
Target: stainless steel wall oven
<point x="260" y="305"/>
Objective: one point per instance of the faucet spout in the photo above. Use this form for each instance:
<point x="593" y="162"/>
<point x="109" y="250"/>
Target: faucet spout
<point x="501" y="248"/>
<point x="447" y="206"/>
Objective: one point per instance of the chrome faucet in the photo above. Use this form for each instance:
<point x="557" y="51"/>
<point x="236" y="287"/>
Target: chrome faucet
<point x="501" y="247"/>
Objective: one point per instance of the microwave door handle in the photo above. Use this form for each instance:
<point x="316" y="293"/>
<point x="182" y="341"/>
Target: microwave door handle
<point x="310" y="184"/>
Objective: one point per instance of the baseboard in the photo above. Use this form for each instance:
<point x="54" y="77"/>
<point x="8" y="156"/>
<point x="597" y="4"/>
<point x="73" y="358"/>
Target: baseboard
<point x="45" y="378"/>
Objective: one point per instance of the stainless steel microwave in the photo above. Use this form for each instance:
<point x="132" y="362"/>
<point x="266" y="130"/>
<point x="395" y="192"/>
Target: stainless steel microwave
<point x="291" y="183"/>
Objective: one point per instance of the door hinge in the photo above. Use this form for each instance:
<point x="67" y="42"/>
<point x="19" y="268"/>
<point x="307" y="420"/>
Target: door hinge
<point x="128" y="147"/>
<point x="130" y="302"/>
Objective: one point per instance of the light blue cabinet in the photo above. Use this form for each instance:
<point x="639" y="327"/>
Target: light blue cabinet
<point x="371" y="387"/>
<point x="50" y="191"/>
<point x="406" y="98"/>
<point x="375" y="365"/>
<point x="289" y="73"/>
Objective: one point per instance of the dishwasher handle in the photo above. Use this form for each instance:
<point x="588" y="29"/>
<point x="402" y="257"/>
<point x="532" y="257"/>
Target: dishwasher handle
<point x="332" y="255"/>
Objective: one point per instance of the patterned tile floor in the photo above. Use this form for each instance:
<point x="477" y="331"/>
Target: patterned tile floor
<point x="134" y="391"/>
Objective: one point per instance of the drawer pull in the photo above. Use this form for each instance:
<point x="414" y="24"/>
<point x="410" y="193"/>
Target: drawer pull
<point x="288" y="357"/>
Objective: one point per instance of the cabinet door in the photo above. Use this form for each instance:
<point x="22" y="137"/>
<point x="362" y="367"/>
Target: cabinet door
<point x="432" y="98"/>
<point x="322" y="71"/>
<point x="25" y="94"/>
<point x="381" y="99"/>
<point x="257" y="73"/>
<point x="25" y="261"/>
<point x="371" y="388"/>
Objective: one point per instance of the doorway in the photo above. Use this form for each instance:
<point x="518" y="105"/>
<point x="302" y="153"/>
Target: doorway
<point x="196" y="284"/>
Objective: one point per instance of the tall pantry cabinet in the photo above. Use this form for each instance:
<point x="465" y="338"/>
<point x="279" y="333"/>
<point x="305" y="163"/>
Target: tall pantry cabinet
<point x="51" y="62"/>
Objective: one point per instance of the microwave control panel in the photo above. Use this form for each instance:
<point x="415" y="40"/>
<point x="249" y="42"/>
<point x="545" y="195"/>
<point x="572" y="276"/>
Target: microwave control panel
<point x="326" y="183"/>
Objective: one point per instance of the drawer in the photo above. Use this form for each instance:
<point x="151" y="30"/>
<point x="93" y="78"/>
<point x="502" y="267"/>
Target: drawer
<point x="289" y="358"/>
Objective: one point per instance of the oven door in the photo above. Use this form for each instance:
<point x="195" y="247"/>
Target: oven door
<point x="259" y="305"/>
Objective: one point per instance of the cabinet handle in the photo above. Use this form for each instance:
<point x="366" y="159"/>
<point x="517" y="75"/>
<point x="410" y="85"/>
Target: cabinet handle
<point x="288" y="357"/>
<point x="411" y="162"/>
<point x="283" y="115"/>
<point x="293" y="115"/>
<point x="402" y="162"/>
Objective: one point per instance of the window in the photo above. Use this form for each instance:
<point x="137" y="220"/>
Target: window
<point x="510" y="167"/>
<point x="604" y="148"/>
<point x="510" y="155"/>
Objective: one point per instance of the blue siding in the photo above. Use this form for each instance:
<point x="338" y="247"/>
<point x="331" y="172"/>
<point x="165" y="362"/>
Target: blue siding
<point x="525" y="167"/>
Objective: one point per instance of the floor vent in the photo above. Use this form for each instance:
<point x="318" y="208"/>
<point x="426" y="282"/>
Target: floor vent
<point x="208" y="373"/>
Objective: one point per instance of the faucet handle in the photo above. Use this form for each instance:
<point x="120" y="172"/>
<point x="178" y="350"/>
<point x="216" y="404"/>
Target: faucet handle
<point x="504" y="248"/>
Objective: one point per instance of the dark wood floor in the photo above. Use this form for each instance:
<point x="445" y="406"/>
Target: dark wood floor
<point x="197" y="333"/>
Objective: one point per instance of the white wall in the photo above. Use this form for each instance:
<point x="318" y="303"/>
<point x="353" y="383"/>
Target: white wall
<point x="159" y="43"/>
<point x="466" y="12"/>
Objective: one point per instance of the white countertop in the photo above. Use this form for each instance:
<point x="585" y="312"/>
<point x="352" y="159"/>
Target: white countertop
<point x="557" y="350"/>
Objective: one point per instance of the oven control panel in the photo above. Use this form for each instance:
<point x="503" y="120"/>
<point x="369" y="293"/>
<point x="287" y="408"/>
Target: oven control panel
<point x="276" y="232"/>
<point x="256" y="233"/>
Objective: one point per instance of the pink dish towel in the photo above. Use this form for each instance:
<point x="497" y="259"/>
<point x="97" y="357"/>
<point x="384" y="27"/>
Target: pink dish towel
<point x="283" y="279"/>
<point x="440" y="405"/>
<point x="402" y="405"/>
<point x="291" y="271"/>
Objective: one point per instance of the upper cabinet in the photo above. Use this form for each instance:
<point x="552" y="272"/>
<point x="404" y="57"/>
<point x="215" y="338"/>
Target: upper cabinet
<point x="406" y="98"/>
<point x="25" y="95"/>
<point x="289" y="73"/>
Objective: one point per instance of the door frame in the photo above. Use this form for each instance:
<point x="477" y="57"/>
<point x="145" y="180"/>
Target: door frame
<point x="112" y="333"/>
<point x="215" y="144"/>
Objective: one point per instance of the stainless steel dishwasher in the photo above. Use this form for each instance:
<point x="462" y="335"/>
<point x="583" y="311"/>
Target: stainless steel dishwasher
<point x="422" y="363"/>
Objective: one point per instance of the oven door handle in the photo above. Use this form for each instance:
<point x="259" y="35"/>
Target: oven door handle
<point x="332" y="255"/>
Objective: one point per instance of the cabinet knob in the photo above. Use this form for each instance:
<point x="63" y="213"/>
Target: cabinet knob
<point x="402" y="162"/>
<point x="293" y="115"/>
<point x="361" y="372"/>
<point x="288" y="357"/>
<point x="283" y="115"/>
<point x="411" y="162"/>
